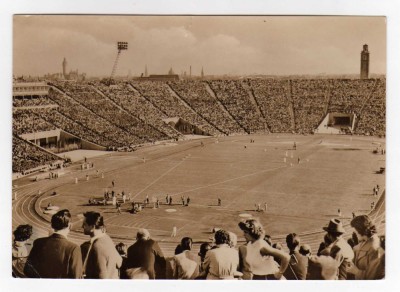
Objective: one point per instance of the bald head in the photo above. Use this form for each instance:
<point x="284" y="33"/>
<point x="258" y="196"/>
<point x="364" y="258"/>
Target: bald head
<point x="143" y="234"/>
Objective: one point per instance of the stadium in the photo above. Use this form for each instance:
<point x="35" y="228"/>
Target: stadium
<point x="191" y="156"/>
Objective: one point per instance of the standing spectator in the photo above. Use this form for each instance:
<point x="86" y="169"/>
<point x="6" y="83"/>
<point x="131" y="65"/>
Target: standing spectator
<point x="186" y="264"/>
<point x="298" y="264"/>
<point x="145" y="256"/>
<point x="55" y="256"/>
<point x="259" y="255"/>
<point x="341" y="249"/>
<point x="19" y="250"/>
<point x="368" y="252"/>
<point x="187" y="201"/>
<point x="101" y="259"/>
<point x="222" y="261"/>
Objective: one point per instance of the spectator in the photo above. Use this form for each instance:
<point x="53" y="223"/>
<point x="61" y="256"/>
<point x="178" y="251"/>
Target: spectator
<point x="338" y="245"/>
<point x="55" y="256"/>
<point x="186" y="264"/>
<point x="258" y="256"/>
<point x="145" y="256"/>
<point x="222" y="261"/>
<point x="368" y="252"/>
<point x="100" y="259"/>
<point x="19" y="251"/>
<point x="298" y="264"/>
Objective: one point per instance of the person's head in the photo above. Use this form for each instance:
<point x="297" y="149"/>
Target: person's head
<point x="292" y="241"/>
<point x="222" y="237"/>
<point x="121" y="248"/>
<point x="277" y="245"/>
<point x="61" y="220"/>
<point x="22" y="232"/>
<point x="252" y="229"/>
<point x="334" y="229"/>
<point x="363" y="226"/>
<point x="232" y="239"/>
<point x="142" y="234"/>
<point x="204" y="247"/>
<point x="93" y="223"/>
<point x="268" y="239"/>
<point x="186" y="243"/>
<point x="305" y="250"/>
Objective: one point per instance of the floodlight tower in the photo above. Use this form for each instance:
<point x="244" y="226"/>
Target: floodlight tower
<point x="121" y="46"/>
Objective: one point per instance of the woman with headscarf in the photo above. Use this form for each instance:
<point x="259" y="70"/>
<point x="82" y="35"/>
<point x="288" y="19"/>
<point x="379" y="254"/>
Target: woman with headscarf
<point x="368" y="252"/>
<point x="258" y="256"/>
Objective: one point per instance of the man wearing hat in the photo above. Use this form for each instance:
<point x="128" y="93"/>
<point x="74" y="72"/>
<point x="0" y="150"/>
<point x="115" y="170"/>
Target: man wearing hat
<point x="339" y="249"/>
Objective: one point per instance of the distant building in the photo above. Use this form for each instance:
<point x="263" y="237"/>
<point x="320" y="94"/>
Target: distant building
<point x="364" y="71"/>
<point x="72" y="75"/>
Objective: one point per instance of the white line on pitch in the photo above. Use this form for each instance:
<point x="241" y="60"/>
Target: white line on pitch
<point x="160" y="177"/>
<point x="228" y="180"/>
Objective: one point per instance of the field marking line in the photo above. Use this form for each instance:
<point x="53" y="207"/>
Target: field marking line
<point x="160" y="177"/>
<point x="228" y="180"/>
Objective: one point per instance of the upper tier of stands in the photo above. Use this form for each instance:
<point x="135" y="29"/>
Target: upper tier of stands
<point x="128" y="114"/>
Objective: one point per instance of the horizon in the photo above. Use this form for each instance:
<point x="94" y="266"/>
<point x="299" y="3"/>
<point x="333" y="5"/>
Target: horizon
<point x="222" y="45"/>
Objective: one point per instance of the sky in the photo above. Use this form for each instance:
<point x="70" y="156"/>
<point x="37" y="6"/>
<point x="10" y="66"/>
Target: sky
<point x="235" y="45"/>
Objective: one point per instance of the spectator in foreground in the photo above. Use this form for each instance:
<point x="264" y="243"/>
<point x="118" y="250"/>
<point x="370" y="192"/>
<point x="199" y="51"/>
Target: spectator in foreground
<point x="369" y="252"/>
<point x="145" y="258"/>
<point x="55" y="256"/>
<point x="221" y="262"/>
<point x="259" y="255"/>
<point x="338" y="247"/>
<point x="298" y="264"/>
<point x="186" y="263"/>
<point x="19" y="251"/>
<point x="101" y="259"/>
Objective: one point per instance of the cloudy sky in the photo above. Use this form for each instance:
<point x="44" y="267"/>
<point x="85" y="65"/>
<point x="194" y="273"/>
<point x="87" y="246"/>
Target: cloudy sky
<point x="221" y="44"/>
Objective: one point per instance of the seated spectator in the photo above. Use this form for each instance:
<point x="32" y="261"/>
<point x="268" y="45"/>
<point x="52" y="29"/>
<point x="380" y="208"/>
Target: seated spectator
<point x="298" y="264"/>
<point x="19" y="251"/>
<point x="186" y="263"/>
<point x="222" y="261"/>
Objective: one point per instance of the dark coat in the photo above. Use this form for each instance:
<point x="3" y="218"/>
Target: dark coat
<point x="147" y="255"/>
<point x="297" y="269"/>
<point x="54" y="257"/>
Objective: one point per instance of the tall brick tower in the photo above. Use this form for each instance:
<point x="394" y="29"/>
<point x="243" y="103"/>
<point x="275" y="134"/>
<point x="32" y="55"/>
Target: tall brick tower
<point x="364" y="71"/>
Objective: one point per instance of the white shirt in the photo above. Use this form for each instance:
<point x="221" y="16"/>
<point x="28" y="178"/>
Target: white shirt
<point x="259" y="264"/>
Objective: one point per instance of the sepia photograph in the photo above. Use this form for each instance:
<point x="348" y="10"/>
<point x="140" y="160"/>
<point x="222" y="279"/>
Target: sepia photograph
<point x="198" y="147"/>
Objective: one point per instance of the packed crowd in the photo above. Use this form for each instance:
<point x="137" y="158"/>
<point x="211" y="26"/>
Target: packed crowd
<point x="87" y="96"/>
<point x="130" y="114"/>
<point x="34" y="101"/>
<point x="130" y="100"/>
<point x="273" y="98"/>
<point x="25" y="121"/>
<point x="77" y="112"/>
<point x="162" y="97"/>
<point x="26" y="155"/>
<point x="348" y="96"/>
<point x="195" y="93"/>
<point x="361" y="257"/>
<point x="237" y="101"/>
<point x="310" y="98"/>
<point x="373" y="116"/>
